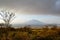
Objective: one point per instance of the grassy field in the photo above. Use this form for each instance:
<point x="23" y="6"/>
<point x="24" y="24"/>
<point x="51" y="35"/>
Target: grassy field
<point x="27" y="33"/>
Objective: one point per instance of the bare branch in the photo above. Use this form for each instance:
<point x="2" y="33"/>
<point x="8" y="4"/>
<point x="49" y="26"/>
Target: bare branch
<point x="7" y="17"/>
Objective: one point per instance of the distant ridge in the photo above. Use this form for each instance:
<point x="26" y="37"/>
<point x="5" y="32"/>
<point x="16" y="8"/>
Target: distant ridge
<point x="34" y="23"/>
<point x="31" y="23"/>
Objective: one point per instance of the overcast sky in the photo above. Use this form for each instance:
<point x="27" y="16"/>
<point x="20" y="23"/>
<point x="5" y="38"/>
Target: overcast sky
<point x="49" y="10"/>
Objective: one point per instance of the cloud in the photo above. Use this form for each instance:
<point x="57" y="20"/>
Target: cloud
<point x="34" y="6"/>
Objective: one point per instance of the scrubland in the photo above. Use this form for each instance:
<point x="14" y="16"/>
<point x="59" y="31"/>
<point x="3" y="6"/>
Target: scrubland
<point x="27" y="33"/>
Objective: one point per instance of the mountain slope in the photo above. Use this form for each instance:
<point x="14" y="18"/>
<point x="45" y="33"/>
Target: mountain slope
<point x="34" y="22"/>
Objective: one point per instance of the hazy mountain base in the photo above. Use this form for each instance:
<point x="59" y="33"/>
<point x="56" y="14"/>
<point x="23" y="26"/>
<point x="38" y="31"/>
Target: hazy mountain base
<point x="27" y="33"/>
<point x="31" y="23"/>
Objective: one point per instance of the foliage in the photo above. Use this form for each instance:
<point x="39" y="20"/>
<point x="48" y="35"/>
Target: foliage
<point x="27" y="33"/>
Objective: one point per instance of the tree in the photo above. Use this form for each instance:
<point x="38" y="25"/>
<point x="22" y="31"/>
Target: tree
<point x="7" y="17"/>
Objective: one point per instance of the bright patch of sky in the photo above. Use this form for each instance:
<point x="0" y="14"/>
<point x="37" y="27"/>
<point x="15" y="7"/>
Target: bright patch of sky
<point x="42" y="18"/>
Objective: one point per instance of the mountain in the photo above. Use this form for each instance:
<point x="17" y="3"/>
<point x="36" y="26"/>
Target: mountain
<point x="31" y="23"/>
<point x="34" y="23"/>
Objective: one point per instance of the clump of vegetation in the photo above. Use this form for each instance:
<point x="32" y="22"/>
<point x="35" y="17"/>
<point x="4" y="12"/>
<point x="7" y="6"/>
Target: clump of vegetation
<point x="27" y="33"/>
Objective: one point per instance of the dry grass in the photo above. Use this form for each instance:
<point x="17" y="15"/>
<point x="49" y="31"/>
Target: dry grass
<point x="27" y="33"/>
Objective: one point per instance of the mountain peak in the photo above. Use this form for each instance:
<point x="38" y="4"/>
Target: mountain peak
<point x="34" y="22"/>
